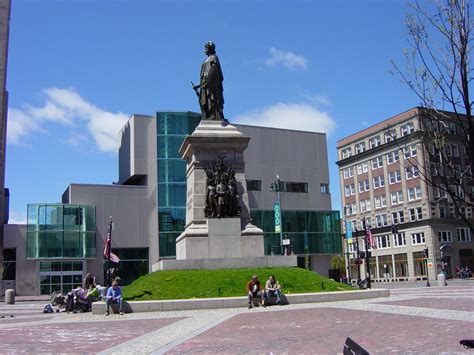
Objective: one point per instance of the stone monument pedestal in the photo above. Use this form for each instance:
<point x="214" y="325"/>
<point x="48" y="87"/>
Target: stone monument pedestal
<point x="210" y="241"/>
<point x="224" y="240"/>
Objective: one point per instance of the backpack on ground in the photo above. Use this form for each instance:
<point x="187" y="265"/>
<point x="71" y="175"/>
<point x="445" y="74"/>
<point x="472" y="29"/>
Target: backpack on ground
<point x="48" y="309"/>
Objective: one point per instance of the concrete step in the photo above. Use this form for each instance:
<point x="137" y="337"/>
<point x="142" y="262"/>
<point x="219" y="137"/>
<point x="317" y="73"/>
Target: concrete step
<point x="235" y="302"/>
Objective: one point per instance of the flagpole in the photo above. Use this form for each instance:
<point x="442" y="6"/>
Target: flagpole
<point x="108" y="253"/>
<point x="367" y="253"/>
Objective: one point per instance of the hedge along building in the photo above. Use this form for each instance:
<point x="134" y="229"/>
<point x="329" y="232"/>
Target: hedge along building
<point x="64" y="241"/>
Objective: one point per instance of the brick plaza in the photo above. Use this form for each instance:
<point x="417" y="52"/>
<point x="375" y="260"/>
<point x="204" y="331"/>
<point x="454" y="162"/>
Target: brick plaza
<point x="418" y="319"/>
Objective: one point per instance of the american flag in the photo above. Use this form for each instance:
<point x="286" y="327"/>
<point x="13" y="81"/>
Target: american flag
<point x="108" y="255"/>
<point x="371" y="239"/>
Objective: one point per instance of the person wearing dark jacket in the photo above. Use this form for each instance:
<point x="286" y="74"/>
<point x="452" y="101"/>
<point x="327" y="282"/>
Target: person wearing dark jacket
<point x="254" y="290"/>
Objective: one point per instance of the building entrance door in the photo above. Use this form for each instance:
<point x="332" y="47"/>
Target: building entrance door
<point x="60" y="276"/>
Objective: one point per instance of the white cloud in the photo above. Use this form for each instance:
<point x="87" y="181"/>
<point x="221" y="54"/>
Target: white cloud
<point x="320" y="100"/>
<point x="288" y="59"/>
<point x="19" y="125"/>
<point x="66" y="107"/>
<point x="17" y="218"/>
<point x="296" y="116"/>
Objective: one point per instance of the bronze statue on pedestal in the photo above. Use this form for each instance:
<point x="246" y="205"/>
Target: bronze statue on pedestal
<point x="210" y="89"/>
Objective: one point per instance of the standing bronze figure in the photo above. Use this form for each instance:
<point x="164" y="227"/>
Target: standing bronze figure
<point x="210" y="89"/>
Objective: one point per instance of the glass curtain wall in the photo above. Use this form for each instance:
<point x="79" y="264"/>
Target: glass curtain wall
<point x="62" y="276"/>
<point x="61" y="231"/>
<point x="310" y="232"/>
<point x="133" y="264"/>
<point x="172" y="128"/>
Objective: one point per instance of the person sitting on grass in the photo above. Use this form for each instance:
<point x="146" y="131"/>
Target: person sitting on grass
<point x="114" y="295"/>
<point x="273" y="288"/>
<point x="254" y="290"/>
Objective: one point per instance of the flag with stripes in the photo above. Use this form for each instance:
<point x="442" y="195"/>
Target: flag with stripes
<point x="370" y="239"/>
<point x="108" y="255"/>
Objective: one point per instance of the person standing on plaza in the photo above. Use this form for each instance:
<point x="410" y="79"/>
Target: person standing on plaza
<point x="254" y="290"/>
<point x="273" y="288"/>
<point x="114" y="295"/>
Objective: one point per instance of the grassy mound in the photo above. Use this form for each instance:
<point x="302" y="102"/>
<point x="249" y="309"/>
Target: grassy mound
<point x="183" y="284"/>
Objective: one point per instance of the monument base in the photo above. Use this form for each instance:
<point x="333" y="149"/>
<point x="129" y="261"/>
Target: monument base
<point x="226" y="263"/>
<point x="219" y="239"/>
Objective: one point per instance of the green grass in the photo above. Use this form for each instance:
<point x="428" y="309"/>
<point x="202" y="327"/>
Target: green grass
<point x="184" y="284"/>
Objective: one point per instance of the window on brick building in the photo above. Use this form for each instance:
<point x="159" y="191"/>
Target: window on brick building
<point x="362" y="168"/>
<point x="396" y="197"/>
<point x="392" y="157"/>
<point x="412" y="172"/>
<point x="399" y="240"/>
<point x="415" y="214"/>
<point x="377" y="163"/>
<point x="374" y="142"/>
<point x="414" y="193"/>
<point x="418" y="238"/>
<point x="394" y="177"/>
<point x="406" y="129"/>
<point x="360" y="147"/>
<point x="398" y="217"/>
<point x="445" y="237"/>
<point x="380" y="201"/>
<point x="463" y="234"/>
<point x="378" y="181"/>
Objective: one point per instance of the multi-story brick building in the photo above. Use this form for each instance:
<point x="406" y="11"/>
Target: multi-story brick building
<point x="386" y="178"/>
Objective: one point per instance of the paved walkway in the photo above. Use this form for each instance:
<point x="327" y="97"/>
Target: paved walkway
<point x="417" y="319"/>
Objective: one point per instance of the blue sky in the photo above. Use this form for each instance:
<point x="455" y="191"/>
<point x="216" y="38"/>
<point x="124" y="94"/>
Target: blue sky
<point x="78" y="69"/>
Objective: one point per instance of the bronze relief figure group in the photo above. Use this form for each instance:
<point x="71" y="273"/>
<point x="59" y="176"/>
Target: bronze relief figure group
<point x="222" y="199"/>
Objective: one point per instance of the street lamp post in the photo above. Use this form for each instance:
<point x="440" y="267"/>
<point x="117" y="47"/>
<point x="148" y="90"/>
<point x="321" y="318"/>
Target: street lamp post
<point x="348" y="266"/>
<point x="276" y="187"/>
<point x="425" y="252"/>
<point x="358" y="258"/>
<point x="348" y="258"/>
<point x="367" y="254"/>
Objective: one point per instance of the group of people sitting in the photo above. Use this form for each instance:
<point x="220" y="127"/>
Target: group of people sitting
<point x="263" y="294"/>
<point x="80" y="299"/>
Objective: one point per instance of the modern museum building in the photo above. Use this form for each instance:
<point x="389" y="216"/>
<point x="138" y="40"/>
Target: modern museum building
<point x="63" y="241"/>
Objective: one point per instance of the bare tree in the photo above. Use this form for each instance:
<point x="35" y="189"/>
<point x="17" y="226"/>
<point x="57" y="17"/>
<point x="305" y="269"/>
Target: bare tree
<point x="437" y="70"/>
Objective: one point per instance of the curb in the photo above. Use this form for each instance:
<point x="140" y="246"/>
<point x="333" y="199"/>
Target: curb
<point x="235" y="302"/>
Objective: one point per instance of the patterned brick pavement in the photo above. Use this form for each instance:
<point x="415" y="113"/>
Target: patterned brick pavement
<point x="463" y="304"/>
<point x="324" y="330"/>
<point x="421" y="319"/>
<point x="75" y="337"/>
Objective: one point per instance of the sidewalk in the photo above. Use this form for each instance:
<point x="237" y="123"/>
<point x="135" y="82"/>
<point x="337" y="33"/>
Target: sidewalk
<point x="419" y="284"/>
<point x="42" y="298"/>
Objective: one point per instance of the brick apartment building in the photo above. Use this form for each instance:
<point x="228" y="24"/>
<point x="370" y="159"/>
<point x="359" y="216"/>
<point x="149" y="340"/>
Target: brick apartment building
<point x="385" y="172"/>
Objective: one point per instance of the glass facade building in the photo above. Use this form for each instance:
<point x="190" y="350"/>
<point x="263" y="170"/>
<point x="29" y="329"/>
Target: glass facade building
<point x="61" y="231"/>
<point x="310" y="232"/>
<point x="172" y="128"/>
